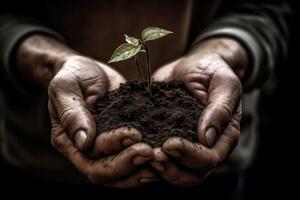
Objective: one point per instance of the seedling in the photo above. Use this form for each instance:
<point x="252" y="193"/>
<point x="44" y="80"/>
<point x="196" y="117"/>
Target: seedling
<point x="135" y="46"/>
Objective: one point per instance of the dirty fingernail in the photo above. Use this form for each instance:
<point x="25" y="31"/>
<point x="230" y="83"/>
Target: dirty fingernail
<point x="127" y="142"/>
<point x="140" y="160"/>
<point x="148" y="180"/>
<point x="211" y="136"/>
<point x="80" y="138"/>
<point x="159" y="166"/>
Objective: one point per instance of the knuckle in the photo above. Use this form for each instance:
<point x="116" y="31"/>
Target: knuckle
<point x="116" y="135"/>
<point x="174" y="143"/>
<point x="61" y="80"/>
<point x="101" y="142"/>
<point x="57" y="142"/>
<point x="227" y="109"/>
<point x="132" y="133"/>
<point x="140" y="148"/>
<point x="224" y="110"/>
<point x="56" y="81"/>
<point x="67" y="116"/>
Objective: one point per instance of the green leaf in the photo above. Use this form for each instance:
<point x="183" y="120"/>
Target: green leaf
<point x="153" y="33"/>
<point x="124" y="51"/>
<point x="131" y="40"/>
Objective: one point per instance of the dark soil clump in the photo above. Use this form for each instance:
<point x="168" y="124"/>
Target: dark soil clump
<point x="171" y="111"/>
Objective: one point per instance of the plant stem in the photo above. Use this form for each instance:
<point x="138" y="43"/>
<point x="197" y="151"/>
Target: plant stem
<point x="138" y="66"/>
<point x="148" y="69"/>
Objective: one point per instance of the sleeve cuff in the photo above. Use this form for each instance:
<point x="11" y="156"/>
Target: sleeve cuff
<point x="248" y="41"/>
<point x="16" y="34"/>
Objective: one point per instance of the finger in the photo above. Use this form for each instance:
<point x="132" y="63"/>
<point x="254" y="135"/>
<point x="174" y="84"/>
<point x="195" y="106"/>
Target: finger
<point x="72" y="112"/>
<point x="106" y="169"/>
<point x="61" y="142"/>
<point x="136" y="180"/>
<point x="112" y="168"/>
<point x="191" y="155"/>
<point x="198" y="90"/>
<point x="103" y="170"/>
<point x="201" y="158"/>
<point x="172" y="172"/>
<point x="229" y="139"/>
<point x="159" y="157"/>
<point x="114" y="141"/>
<point x="224" y="95"/>
<point x="92" y="77"/>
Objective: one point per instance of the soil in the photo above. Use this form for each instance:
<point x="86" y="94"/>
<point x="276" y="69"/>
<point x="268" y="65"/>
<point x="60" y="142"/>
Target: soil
<point x="171" y="111"/>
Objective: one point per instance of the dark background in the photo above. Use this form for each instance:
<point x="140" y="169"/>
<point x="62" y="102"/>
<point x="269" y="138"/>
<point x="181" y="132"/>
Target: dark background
<point x="275" y="170"/>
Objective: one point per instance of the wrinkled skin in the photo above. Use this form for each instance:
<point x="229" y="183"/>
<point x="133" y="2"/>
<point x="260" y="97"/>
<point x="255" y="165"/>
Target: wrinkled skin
<point x="212" y="81"/>
<point x="74" y="83"/>
<point x="113" y="155"/>
<point x="114" y="159"/>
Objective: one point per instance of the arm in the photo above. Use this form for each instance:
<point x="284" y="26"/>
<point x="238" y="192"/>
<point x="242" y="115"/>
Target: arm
<point x="262" y="28"/>
<point x="225" y="56"/>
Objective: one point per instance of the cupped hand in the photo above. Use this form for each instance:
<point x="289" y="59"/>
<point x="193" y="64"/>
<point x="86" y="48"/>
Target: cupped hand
<point x="211" y="79"/>
<point x="112" y="159"/>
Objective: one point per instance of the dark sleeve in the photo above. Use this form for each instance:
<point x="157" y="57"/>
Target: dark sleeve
<point x="15" y="27"/>
<point x="262" y="28"/>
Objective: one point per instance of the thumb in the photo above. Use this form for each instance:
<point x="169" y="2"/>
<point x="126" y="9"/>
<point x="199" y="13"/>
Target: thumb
<point x="73" y="114"/>
<point x="222" y="101"/>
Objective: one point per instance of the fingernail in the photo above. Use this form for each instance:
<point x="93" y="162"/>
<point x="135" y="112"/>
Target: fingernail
<point x="211" y="135"/>
<point x="127" y="142"/>
<point x="80" y="138"/>
<point x="140" y="160"/>
<point x="159" y="166"/>
<point x="147" y="180"/>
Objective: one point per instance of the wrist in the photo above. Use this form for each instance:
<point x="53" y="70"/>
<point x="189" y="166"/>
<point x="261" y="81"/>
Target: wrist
<point x="228" y="49"/>
<point x="39" y="58"/>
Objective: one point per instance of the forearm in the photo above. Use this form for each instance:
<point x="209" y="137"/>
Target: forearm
<point x="15" y="30"/>
<point x="263" y="28"/>
<point x="39" y="57"/>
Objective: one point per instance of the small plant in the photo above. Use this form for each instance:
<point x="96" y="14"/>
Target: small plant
<point x="135" y="46"/>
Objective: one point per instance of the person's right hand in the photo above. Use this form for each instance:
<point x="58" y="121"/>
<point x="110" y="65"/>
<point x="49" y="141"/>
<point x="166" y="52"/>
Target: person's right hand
<point x="116" y="155"/>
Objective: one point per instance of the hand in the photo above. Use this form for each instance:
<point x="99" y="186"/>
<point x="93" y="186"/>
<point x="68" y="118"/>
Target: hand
<point x="75" y="83"/>
<point x="209" y="76"/>
<point x="75" y="87"/>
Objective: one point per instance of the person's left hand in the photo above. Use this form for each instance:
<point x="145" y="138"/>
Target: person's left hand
<point x="211" y="79"/>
